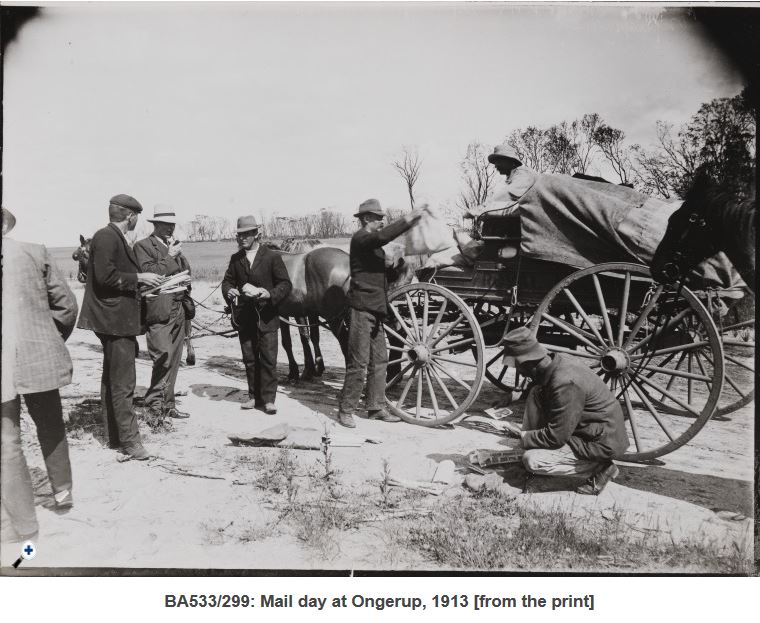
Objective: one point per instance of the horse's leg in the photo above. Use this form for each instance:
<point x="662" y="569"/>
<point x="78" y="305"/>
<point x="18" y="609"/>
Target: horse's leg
<point x="309" y="370"/>
<point x="189" y="343"/>
<point x="339" y="329"/>
<point x="314" y="333"/>
<point x="288" y="346"/>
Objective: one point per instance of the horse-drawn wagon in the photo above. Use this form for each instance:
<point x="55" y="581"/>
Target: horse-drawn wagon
<point x="664" y="351"/>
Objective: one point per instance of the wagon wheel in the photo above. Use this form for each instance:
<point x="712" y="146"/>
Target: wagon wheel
<point x="738" y="364"/>
<point x="430" y="331"/>
<point x="634" y="333"/>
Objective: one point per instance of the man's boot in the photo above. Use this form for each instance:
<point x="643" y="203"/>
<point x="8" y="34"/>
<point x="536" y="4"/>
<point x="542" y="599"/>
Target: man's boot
<point x="382" y="414"/>
<point x="346" y="419"/>
<point x="599" y="479"/>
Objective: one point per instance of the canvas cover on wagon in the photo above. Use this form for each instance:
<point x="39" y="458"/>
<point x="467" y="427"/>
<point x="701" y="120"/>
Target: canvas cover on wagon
<point x="580" y="223"/>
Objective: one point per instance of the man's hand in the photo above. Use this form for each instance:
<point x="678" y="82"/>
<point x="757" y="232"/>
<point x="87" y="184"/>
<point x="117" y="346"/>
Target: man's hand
<point x="150" y="279"/>
<point x="254" y="292"/>
<point x="175" y="249"/>
<point x="233" y="293"/>
<point x="513" y="430"/>
<point x="416" y="214"/>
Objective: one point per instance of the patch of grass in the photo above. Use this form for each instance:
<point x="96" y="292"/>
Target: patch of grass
<point x="494" y="532"/>
<point x="83" y="418"/>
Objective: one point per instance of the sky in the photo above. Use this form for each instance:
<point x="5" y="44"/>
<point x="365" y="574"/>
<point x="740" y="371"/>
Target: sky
<point x="231" y="109"/>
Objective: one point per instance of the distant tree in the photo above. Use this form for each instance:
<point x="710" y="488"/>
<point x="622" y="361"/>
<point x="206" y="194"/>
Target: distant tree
<point x="581" y="134"/>
<point x="478" y="177"/>
<point x="619" y="156"/>
<point x="561" y="155"/>
<point x="408" y="167"/>
<point x="530" y="145"/>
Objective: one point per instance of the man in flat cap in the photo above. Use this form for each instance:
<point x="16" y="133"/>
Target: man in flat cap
<point x="111" y="309"/>
<point x="160" y="253"/>
<point x="39" y="312"/>
<point x="367" y="354"/>
<point x="255" y="283"/>
<point x="572" y="424"/>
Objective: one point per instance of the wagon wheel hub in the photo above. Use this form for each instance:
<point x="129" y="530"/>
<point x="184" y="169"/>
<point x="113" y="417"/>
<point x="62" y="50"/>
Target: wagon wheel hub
<point x="615" y="360"/>
<point x="419" y="355"/>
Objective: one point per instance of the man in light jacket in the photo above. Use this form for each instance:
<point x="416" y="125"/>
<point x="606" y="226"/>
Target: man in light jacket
<point x="39" y="312"/>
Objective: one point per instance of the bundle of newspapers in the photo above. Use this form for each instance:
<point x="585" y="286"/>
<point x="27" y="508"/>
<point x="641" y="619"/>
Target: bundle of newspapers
<point x="175" y="283"/>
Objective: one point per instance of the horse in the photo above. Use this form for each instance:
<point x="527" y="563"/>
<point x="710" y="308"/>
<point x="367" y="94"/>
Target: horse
<point x="710" y="220"/>
<point x="82" y="255"/>
<point x="320" y="279"/>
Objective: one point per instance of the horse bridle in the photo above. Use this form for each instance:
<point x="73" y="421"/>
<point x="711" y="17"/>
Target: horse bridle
<point x="672" y="269"/>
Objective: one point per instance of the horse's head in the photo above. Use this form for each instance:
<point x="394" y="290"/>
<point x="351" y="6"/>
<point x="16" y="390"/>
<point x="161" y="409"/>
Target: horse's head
<point x="691" y="235"/>
<point x="82" y="256"/>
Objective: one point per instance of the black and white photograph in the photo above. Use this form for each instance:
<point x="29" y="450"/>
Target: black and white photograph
<point x="378" y="287"/>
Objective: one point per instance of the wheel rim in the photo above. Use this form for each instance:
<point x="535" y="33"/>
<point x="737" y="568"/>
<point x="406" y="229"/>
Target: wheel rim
<point x="432" y="378"/>
<point x="639" y="338"/>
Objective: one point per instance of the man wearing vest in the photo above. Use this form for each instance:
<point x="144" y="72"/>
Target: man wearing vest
<point x="165" y="313"/>
<point x="255" y="283"/>
<point x="111" y="309"/>
<point x="367" y="354"/>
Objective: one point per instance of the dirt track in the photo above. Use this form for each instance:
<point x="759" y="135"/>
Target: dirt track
<point x="144" y="514"/>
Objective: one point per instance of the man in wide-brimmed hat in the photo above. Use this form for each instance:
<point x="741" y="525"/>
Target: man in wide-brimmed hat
<point x="111" y="309"/>
<point x="165" y="315"/>
<point x="255" y="283"/>
<point x="367" y="355"/>
<point x="39" y="312"/>
<point x="572" y="424"/>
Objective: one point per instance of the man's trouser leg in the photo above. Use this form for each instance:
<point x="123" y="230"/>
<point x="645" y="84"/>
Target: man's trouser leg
<point x="378" y="364"/>
<point x="544" y="462"/>
<point x="47" y="413"/>
<point x="265" y="376"/>
<point x="119" y="372"/>
<point x="357" y="360"/>
<point x="16" y="493"/>
<point x="165" y="347"/>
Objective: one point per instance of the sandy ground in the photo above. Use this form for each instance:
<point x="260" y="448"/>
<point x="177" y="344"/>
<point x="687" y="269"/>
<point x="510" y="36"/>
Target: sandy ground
<point x="145" y="515"/>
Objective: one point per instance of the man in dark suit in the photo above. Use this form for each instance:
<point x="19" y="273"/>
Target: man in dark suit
<point x="39" y="312"/>
<point x="111" y="308"/>
<point x="165" y="314"/>
<point x="255" y="283"/>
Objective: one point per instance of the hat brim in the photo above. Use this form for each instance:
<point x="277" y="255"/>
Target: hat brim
<point x="169" y="220"/>
<point x="536" y="353"/>
<point x="358" y="214"/>
<point x="242" y="230"/>
<point x="492" y="158"/>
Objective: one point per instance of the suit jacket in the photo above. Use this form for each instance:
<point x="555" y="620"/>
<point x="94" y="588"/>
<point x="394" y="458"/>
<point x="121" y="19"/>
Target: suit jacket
<point x="39" y="312"/>
<point x="268" y="271"/>
<point x="111" y="302"/>
<point x="153" y="257"/>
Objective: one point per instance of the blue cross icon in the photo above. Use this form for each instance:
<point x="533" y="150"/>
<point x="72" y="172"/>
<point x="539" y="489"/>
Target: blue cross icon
<point x="28" y="550"/>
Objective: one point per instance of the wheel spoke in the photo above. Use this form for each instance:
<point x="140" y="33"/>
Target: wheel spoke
<point x="675" y="372"/>
<point x="583" y="315"/>
<point x="733" y="384"/>
<point x="647" y="403"/>
<point x="674" y="398"/>
<point x="702" y="369"/>
<point x="498" y="355"/>
<point x="425" y="317"/>
<point x="452" y="377"/>
<point x="403" y="324"/>
<point x="632" y="420"/>
<point x="398" y="336"/>
<point x="438" y="319"/>
<point x="578" y="334"/>
<point x="405" y="391"/>
<point x="419" y="393"/>
<point x="673" y="378"/>
<point x="450" y="345"/>
<point x="741" y="343"/>
<point x="739" y="363"/>
<point x="662" y="330"/>
<point x="672" y="349"/>
<point x="603" y="309"/>
<point x="459" y="363"/>
<point x="413" y="314"/>
<point x="448" y="330"/>
<point x="624" y="309"/>
<point x="444" y="388"/>
<point x="398" y="377"/>
<point x="399" y="348"/>
<point x="738" y="325"/>
<point x="395" y="361"/>
<point x="433" y="397"/>
<point x="643" y="315"/>
<point x="688" y="380"/>
<point x="503" y="372"/>
<point x="570" y="351"/>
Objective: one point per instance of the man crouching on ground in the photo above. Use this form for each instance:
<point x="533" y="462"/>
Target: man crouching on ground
<point x="368" y="303"/>
<point x="572" y="424"/>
